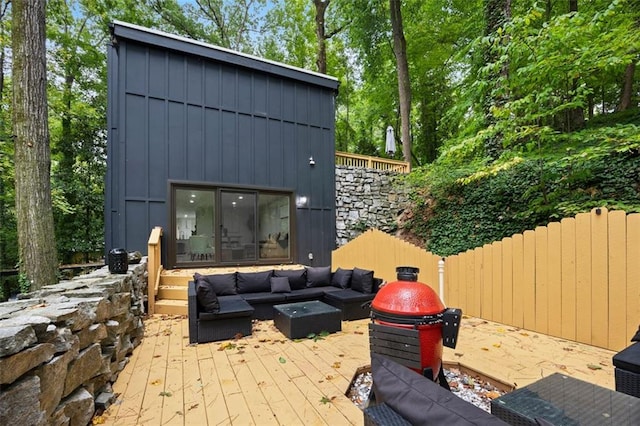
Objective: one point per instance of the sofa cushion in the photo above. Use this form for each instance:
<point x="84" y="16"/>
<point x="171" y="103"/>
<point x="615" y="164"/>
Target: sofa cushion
<point x="297" y="277"/>
<point x="223" y="284"/>
<point x="362" y="280"/>
<point x="254" y="282"/>
<point x="628" y="358"/>
<point x="318" y="276"/>
<point x="280" y="285"/>
<point x="348" y="295"/>
<point x="304" y="294"/>
<point x="263" y="297"/>
<point x="206" y="297"/>
<point x="229" y="308"/>
<point x="341" y="278"/>
<point x="421" y="401"/>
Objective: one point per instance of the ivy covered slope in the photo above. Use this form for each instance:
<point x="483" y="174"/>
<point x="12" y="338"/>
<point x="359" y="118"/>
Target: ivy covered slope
<point x="462" y="206"/>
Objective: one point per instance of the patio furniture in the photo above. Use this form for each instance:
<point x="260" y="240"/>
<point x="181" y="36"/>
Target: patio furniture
<point x="563" y="400"/>
<point x="627" y="370"/>
<point x="297" y="320"/>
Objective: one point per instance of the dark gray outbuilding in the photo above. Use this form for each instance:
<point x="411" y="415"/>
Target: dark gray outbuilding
<point x="181" y="111"/>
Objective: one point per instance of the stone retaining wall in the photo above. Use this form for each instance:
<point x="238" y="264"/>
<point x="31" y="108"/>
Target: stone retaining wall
<point x="63" y="346"/>
<point x="366" y="198"/>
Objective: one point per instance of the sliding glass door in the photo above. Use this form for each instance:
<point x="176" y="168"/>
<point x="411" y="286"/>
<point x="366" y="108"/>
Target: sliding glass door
<point x="237" y="226"/>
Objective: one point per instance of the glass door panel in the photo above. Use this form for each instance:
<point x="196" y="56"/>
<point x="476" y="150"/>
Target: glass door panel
<point x="237" y="226"/>
<point x="273" y="226"/>
<point x="195" y="225"/>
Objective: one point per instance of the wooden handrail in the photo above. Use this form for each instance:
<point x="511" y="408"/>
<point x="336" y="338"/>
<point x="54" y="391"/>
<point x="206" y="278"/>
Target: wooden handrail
<point x="377" y="163"/>
<point x="154" y="266"/>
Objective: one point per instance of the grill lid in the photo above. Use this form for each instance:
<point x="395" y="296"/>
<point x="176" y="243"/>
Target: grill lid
<point x="407" y="299"/>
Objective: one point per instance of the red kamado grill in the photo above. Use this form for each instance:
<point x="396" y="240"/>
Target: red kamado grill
<point x="413" y="306"/>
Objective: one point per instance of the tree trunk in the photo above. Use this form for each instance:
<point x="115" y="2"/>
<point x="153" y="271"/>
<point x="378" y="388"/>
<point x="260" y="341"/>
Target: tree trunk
<point x="575" y="115"/>
<point x="404" y="84"/>
<point x="321" y="38"/>
<point x="36" y="242"/>
<point x="626" y="94"/>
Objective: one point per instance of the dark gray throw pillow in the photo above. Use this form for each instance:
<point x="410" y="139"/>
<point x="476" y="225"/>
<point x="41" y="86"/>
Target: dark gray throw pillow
<point x="280" y="285"/>
<point x="223" y="284"/>
<point x="362" y="280"/>
<point x="318" y="276"/>
<point x="206" y="297"/>
<point x="297" y="277"/>
<point x="254" y="282"/>
<point x="341" y="278"/>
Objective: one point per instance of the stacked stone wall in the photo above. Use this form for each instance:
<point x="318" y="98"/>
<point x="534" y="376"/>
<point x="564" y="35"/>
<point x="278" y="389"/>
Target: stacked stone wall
<point x="63" y="346"/>
<point x="367" y="198"/>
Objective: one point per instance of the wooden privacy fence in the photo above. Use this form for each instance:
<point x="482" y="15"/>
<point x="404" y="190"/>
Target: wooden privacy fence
<point x="578" y="279"/>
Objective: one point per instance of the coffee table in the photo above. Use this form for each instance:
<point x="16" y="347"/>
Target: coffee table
<point x="297" y="320"/>
<point x="563" y="400"/>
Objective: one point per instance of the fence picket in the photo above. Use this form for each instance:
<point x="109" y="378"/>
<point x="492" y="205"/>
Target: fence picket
<point x="617" y="281"/>
<point x="599" y="277"/>
<point x="568" y="278"/>
<point x="554" y="276"/>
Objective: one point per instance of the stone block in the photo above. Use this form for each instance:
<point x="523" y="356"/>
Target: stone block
<point x="14" y="366"/>
<point x="92" y="334"/>
<point x="19" y="404"/>
<point x="51" y="383"/>
<point x="104" y="400"/>
<point x="63" y="340"/>
<point x="120" y="303"/>
<point x="97" y="383"/>
<point x="59" y="418"/>
<point x="79" y="407"/>
<point x="16" y="338"/>
<point x="38" y="323"/>
<point x="84" y="367"/>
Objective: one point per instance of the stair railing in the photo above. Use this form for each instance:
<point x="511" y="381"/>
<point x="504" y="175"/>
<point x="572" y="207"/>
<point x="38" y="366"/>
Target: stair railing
<point x="154" y="266"/>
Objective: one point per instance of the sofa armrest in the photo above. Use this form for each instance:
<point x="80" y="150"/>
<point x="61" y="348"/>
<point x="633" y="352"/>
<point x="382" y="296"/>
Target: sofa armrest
<point x="192" y="312"/>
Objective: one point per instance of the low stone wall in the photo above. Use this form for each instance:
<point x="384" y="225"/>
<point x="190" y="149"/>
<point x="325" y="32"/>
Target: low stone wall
<point x="63" y="346"/>
<point x="366" y="198"/>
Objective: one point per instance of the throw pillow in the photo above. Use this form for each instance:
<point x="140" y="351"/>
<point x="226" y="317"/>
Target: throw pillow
<point x="223" y="284"/>
<point x="280" y="285"/>
<point x="206" y="297"/>
<point x="318" y="276"/>
<point x="254" y="282"/>
<point x="297" y="277"/>
<point x="341" y="278"/>
<point x="362" y="280"/>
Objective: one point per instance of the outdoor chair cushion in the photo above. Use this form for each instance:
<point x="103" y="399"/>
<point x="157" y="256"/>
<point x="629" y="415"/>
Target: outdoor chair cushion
<point x="206" y="297"/>
<point x="280" y="285"/>
<point x="223" y="284"/>
<point x="421" y="401"/>
<point x="318" y="276"/>
<point x="304" y="294"/>
<point x="341" y="278"/>
<point x="362" y="280"/>
<point x="297" y="277"/>
<point x="254" y="282"/>
<point x="264" y="297"/>
<point x="348" y="295"/>
<point x="229" y="308"/>
<point x="628" y="358"/>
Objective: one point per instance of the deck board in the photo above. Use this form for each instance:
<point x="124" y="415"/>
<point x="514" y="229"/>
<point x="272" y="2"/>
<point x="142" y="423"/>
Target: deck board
<point x="269" y="379"/>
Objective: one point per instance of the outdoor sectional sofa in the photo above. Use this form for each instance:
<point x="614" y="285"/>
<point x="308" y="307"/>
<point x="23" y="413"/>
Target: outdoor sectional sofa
<point x="222" y="306"/>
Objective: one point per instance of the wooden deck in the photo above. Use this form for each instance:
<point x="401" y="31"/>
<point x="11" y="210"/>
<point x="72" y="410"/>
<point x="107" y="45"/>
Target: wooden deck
<point x="268" y="379"/>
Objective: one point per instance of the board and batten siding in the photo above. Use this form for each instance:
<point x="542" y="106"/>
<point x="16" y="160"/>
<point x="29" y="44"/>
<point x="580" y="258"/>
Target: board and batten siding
<point x="183" y="111"/>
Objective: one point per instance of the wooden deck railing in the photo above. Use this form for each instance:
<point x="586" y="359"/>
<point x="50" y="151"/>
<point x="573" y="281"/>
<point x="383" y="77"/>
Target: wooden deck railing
<point x="366" y="161"/>
<point x="154" y="266"/>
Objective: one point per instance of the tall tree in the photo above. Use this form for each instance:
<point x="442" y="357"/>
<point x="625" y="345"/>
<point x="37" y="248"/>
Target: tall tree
<point x="38" y="257"/>
<point x="404" y="83"/>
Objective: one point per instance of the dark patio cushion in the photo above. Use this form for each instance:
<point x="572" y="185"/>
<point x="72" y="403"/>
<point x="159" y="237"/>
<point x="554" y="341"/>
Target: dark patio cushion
<point x="318" y="276"/>
<point x="206" y="297"/>
<point x="421" y="401"/>
<point x="223" y="284"/>
<point x="628" y="358"/>
<point x="280" y="285"/>
<point x="254" y="282"/>
<point x="297" y="277"/>
<point x="230" y="308"/>
<point x="362" y="280"/>
<point x="348" y="295"/>
<point x="330" y="289"/>
<point x="304" y="294"/>
<point x="341" y="278"/>
<point x="263" y="297"/>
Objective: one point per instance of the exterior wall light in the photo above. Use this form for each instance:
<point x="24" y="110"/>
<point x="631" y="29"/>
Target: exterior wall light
<point x="312" y="162"/>
<point x="302" y="201"/>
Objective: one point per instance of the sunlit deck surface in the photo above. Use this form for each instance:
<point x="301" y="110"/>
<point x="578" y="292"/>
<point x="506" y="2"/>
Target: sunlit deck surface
<point x="267" y="379"/>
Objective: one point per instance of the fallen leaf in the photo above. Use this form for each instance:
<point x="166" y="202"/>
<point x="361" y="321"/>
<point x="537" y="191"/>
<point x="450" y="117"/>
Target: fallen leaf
<point x="157" y="356"/>
<point x="341" y="355"/>
<point x="263" y="340"/>
<point x="458" y="354"/>
<point x="497" y="345"/>
<point x="358" y="332"/>
<point x="156" y="382"/>
<point x="336" y="364"/>
<point x="193" y="406"/>
<point x="493" y="394"/>
<point x="329" y="377"/>
<point x="256" y="346"/>
<point x="485" y="349"/>
<point x="594" y="367"/>
<point x="282" y="360"/>
<point x="567" y="349"/>
<point x="324" y="400"/>
<point x="98" y="420"/>
<point x="238" y="336"/>
<point x="524" y="334"/>
<point x="501" y="330"/>
<point x="163" y="393"/>
<point x="562" y="367"/>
